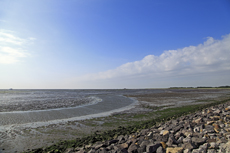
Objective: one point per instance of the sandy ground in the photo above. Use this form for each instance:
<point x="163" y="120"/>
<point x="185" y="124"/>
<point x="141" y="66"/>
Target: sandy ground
<point x="23" y="138"/>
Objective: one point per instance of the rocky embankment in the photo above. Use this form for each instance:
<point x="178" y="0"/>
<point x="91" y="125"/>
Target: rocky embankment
<point x="204" y="131"/>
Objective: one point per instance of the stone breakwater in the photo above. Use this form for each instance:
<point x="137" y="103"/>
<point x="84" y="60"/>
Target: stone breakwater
<point x="206" y="131"/>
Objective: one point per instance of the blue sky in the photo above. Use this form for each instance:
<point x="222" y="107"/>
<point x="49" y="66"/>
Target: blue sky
<point x="114" y="43"/>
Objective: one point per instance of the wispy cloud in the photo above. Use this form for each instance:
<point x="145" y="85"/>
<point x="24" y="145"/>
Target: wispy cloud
<point x="211" y="56"/>
<point x="12" y="47"/>
<point x="7" y="37"/>
<point x="10" y="55"/>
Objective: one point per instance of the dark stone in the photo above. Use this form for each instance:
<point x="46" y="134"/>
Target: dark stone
<point x="141" y="149"/>
<point x="122" y="141"/>
<point x="144" y="143"/>
<point x="150" y="148"/>
<point x="170" y="127"/>
<point x="141" y="138"/>
<point x="209" y="129"/>
<point x="177" y="128"/>
<point x="124" y="151"/>
<point x="198" y="141"/>
<point x="113" y="141"/>
<point x="188" y="146"/>
<point x="171" y="141"/>
<point x="163" y="138"/>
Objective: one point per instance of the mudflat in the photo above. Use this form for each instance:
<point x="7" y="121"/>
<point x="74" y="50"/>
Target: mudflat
<point x="24" y="137"/>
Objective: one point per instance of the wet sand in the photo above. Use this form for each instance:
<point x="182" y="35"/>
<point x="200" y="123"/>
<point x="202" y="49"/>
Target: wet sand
<point x="17" y="127"/>
<point x="108" y="103"/>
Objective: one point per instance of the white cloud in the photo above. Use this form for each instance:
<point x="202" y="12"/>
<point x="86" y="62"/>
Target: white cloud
<point x="12" y="47"/>
<point x="211" y="56"/>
